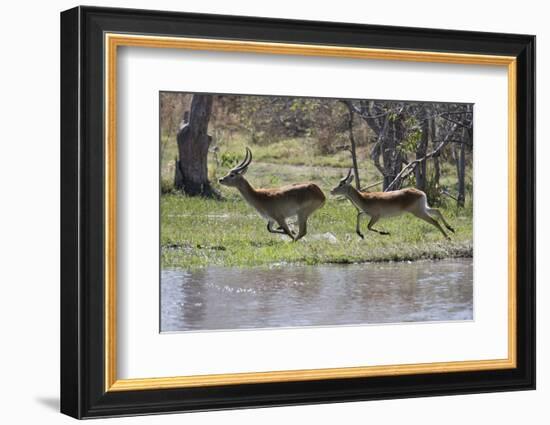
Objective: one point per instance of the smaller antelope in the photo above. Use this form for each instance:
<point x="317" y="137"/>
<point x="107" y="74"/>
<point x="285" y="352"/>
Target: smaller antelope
<point x="277" y="205"/>
<point x="388" y="204"/>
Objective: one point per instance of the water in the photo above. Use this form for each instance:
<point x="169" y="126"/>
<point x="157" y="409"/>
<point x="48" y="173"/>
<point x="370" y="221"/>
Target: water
<point x="328" y="295"/>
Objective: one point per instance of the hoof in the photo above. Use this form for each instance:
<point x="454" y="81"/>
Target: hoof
<point x="361" y="235"/>
<point x="451" y="229"/>
<point x="385" y="233"/>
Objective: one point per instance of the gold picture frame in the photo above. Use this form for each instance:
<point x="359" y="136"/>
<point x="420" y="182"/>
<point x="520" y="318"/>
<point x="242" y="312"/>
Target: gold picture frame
<point x="114" y="41"/>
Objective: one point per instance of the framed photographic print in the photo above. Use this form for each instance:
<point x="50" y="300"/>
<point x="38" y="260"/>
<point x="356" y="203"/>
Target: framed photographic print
<point x="261" y="212"/>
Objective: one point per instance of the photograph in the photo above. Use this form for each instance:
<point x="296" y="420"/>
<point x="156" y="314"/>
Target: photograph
<point x="285" y="211"/>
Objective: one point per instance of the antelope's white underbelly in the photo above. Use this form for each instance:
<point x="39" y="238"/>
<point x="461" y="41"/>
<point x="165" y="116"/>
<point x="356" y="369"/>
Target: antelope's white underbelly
<point x="292" y="212"/>
<point x="264" y="214"/>
<point x="387" y="211"/>
<point x="391" y="212"/>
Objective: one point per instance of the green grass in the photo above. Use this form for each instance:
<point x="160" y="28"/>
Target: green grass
<point x="287" y="160"/>
<point x="294" y="151"/>
<point x="288" y="154"/>
<point x="197" y="232"/>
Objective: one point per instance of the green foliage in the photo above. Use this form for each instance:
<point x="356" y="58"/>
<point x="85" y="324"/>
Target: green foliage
<point x="229" y="159"/>
<point x="411" y="140"/>
<point x="412" y="137"/>
<point x="393" y="116"/>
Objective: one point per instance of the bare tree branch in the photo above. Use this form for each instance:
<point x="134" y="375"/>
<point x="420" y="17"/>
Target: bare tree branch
<point x="366" y="116"/>
<point x="409" y="168"/>
<point x="445" y="115"/>
<point x="467" y="125"/>
<point x="372" y="185"/>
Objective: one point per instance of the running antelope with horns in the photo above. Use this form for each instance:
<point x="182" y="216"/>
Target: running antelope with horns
<point x="387" y="204"/>
<point x="277" y="205"/>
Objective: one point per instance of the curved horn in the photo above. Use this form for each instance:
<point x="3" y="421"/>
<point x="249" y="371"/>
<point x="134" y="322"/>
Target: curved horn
<point x="249" y="153"/>
<point x="244" y="163"/>
<point x="237" y="167"/>
<point x="347" y="177"/>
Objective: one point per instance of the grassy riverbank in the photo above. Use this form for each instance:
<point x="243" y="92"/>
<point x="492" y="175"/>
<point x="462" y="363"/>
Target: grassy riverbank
<point x="199" y="232"/>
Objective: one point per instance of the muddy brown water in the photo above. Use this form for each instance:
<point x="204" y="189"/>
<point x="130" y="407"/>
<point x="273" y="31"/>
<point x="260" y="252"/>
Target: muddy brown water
<point x="221" y="298"/>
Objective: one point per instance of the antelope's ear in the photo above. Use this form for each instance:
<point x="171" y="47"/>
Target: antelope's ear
<point x="349" y="178"/>
<point x="243" y="171"/>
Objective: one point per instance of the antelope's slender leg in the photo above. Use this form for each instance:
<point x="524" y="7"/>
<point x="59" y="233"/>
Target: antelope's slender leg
<point x="427" y="218"/>
<point x="284" y="226"/>
<point x="372" y="222"/>
<point x="302" y="227"/>
<point x="270" y="228"/>
<point x="357" y="225"/>
<point x="437" y="213"/>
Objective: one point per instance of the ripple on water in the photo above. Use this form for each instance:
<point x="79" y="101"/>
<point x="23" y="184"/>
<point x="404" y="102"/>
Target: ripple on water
<point x="328" y="295"/>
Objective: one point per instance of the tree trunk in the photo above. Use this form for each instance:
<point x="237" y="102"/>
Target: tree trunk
<point x="378" y="147"/>
<point x="193" y="143"/>
<point x="461" y="168"/>
<point x="422" y="148"/>
<point x="391" y="156"/>
<point x="353" y="149"/>
<point x="437" y="169"/>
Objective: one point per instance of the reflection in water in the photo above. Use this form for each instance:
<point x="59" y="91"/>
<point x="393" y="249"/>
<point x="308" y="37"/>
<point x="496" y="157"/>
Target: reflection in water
<point x="239" y="298"/>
